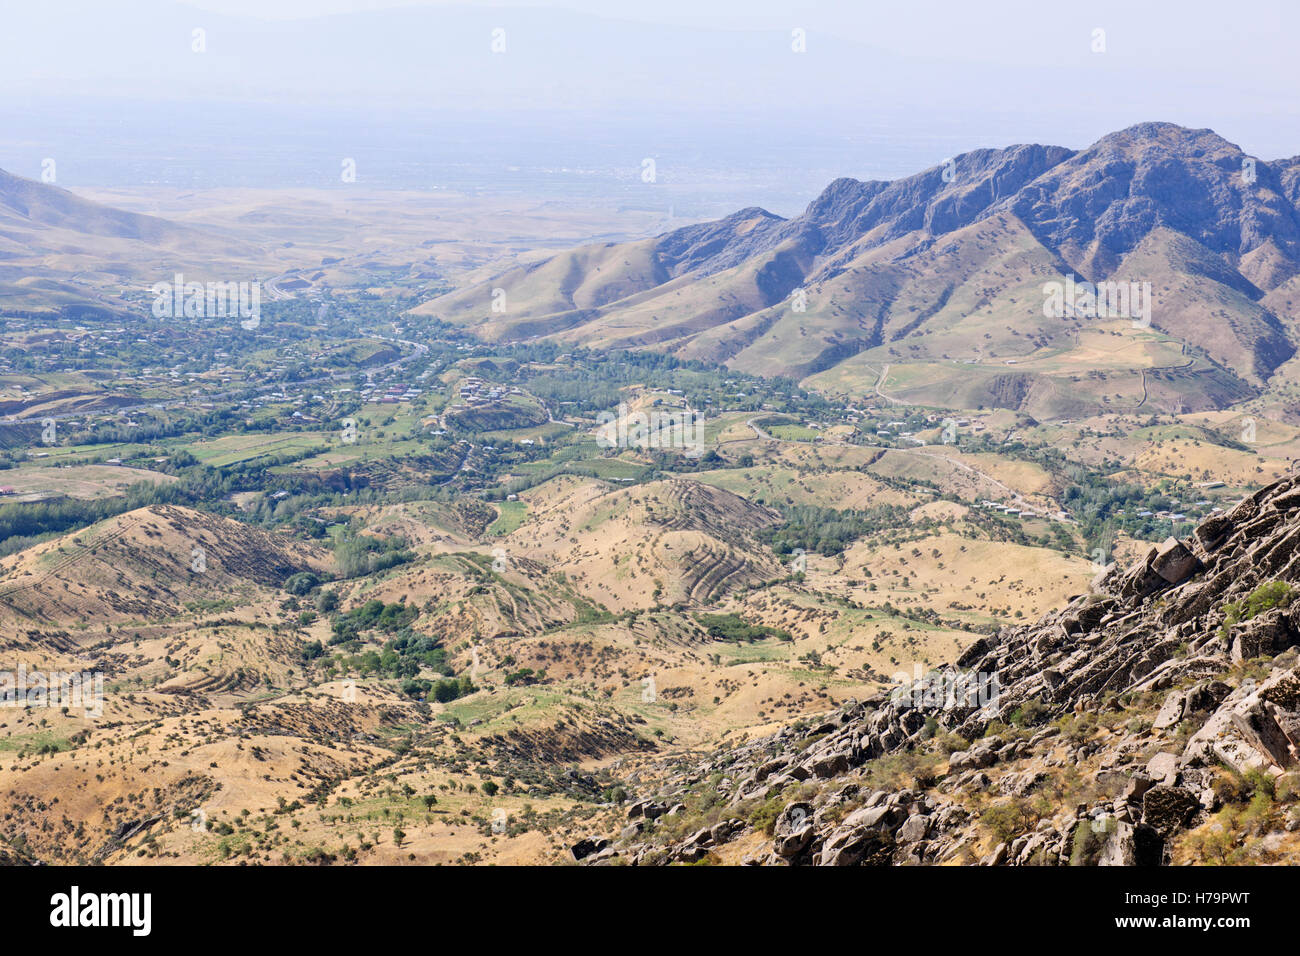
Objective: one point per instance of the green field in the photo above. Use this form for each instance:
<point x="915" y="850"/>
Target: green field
<point x="239" y="448"/>
<point x="510" y="515"/>
<point x="793" y="432"/>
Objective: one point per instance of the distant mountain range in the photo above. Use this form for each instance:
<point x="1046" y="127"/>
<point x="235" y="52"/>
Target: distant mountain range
<point x="944" y="272"/>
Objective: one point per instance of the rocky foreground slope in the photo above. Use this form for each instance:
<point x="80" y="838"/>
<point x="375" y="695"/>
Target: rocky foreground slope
<point x="1153" y="720"/>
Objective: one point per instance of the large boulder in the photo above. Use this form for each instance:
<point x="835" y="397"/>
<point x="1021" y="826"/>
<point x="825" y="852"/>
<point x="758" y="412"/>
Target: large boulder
<point x="1173" y="561"/>
<point x="1213" y="531"/>
<point x="793" y="831"/>
<point x="1133" y="845"/>
<point x="916" y="827"/>
<point x="1272" y="731"/>
<point x="883" y="815"/>
<point x="1167" y="809"/>
<point x="1262" y="636"/>
<point x="858" y="846"/>
<point x="977" y="758"/>
<point x="1256" y="727"/>
<point x="1164" y="565"/>
<point x="1163" y="768"/>
<point x="1171" y="711"/>
<point x="588" y="846"/>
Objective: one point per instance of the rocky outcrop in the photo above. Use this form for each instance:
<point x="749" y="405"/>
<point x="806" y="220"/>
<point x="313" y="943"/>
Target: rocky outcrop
<point x="1170" y="626"/>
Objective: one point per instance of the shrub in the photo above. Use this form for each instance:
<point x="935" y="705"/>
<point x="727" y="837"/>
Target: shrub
<point x="302" y="584"/>
<point x="1231" y="787"/>
<point x="1007" y="820"/>
<point x="732" y="627"/>
<point x="1263" y="598"/>
<point x="1089" y="841"/>
<point x="765" y="815"/>
<point x="1078" y="729"/>
<point x="1030" y="714"/>
<point x="950" y="743"/>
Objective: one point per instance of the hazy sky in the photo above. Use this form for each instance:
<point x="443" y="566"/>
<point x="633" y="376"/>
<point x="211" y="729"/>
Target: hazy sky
<point x="1188" y="36"/>
<point x="863" y="88"/>
<point x="1013" y="55"/>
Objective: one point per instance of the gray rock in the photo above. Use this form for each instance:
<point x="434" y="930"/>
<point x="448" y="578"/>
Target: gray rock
<point x="1163" y="768"/>
<point x="1167" y="809"/>
<point x="857" y="847"/>
<point x="1132" y="845"/>
<point x="1019" y="784"/>
<point x="1173" y="562"/>
<point x="723" y="832"/>
<point x="1262" y="636"/>
<point x="588" y="846"/>
<point x="793" y="818"/>
<point x="1137" y="787"/>
<point x="916" y="827"/>
<point x="997" y="857"/>
<point x="793" y="843"/>
<point x="1171" y="712"/>
<point x="871" y="817"/>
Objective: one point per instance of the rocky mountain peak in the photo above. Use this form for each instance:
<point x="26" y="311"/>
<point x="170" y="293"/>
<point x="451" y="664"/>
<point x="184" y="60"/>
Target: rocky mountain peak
<point x="1102" y="202"/>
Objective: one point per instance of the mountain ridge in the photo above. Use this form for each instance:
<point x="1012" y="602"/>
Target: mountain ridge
<point x="59" y="251"/>
<point x="869" y="265"/>
<point x="45" y="204"/>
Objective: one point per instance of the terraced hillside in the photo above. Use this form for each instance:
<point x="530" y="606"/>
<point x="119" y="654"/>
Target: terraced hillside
<point x="146" y="565"/>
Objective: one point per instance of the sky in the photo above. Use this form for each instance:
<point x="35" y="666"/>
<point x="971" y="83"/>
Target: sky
<point x="763" y="91"/>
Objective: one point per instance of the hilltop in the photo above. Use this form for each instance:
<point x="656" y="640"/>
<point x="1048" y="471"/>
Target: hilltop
<point x="146" y="565"/>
